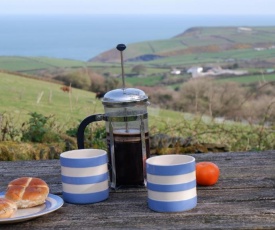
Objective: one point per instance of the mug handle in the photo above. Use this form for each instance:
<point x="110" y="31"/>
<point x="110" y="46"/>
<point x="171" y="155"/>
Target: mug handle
<point x="83" y="125"/>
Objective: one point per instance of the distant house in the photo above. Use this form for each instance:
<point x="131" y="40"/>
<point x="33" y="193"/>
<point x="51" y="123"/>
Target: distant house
<point x="213" y="71"/>
<point x="175" y="72"/>
<point x="259" y="48"/>
<point x="269" y="70"/>
<point x="244" y="29"/>
<point x="195" y="71"/>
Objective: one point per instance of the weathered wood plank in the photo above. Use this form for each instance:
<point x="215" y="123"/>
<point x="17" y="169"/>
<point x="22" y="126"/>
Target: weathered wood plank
<point x="244" y="198"/>
<point x="135" y="214"/>
<point x="255" y="170"/>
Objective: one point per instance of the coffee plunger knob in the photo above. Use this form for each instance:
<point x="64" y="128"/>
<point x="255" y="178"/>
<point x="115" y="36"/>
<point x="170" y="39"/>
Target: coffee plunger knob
<point x="121" y="47"/>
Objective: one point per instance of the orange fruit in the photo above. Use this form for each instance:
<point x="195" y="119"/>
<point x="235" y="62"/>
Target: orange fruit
<point x="207" y="173"/>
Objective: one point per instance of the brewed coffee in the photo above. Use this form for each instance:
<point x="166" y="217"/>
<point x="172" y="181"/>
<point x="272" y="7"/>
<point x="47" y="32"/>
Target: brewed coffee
<point x="129" y="162"/>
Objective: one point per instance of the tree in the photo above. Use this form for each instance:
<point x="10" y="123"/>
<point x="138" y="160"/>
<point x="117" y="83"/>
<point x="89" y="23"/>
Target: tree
<point x="139" y="69"/>
<point x="207" y="96"/>
<point x="111" y="83"/>
<point x="98" y="82"/>
<point x="77" y="79"/>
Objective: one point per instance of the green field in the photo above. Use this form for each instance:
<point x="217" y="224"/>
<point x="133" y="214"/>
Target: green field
<point x="200" y="40"/>
<point x="203" y="46"/>
<point x="20" y="96"/>
<point x="213" y="57"/>
<point x="30" y="92"/>
<point x="20" y="64"/>
<point x="200" y="46"/>
<point x="195" y="45"/>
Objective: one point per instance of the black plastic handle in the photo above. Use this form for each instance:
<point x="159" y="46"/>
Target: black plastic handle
<point x="83" y="125"/>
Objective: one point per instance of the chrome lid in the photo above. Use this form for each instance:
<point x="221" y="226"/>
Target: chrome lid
<point x="124" y="97"/>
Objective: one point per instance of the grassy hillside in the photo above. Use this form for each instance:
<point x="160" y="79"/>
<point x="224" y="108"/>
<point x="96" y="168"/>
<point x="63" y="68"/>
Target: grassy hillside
<point x="25" y="64"/>
<point x="204" y="46"/>
<point x="200" y="42"/>
<point x="195" y="45"/>
<point x="20" y="96"/>
<point x="225" y="47"/>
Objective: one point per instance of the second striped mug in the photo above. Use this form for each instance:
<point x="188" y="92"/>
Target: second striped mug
<point x="171" y="183"/>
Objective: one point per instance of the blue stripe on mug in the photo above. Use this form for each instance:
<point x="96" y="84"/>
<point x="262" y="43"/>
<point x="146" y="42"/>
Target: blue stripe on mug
<point x="170" y="170"/>
<point x="83" y="163"/>
<point x="171" y="187"/>
<point x="84" y="180"/>
<point x="86" y="198"/>
<point x="175" y="206"/>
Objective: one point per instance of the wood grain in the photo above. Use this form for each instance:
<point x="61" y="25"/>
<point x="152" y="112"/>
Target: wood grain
<point x="243" y="198"/>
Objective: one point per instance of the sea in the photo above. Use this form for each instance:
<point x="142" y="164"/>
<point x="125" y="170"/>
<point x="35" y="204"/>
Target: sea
<point x="82" y="37"/>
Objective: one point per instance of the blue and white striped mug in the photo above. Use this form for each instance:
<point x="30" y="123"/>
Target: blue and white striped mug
<point x="84" y="176"/>
<point x="171" y="183"/>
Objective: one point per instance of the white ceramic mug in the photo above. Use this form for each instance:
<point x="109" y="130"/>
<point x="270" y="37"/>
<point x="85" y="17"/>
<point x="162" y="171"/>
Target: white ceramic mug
<point x="171" y="183"/>
<point x="84" y="176"/>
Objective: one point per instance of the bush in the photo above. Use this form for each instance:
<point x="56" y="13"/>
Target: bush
<point x="44" y="141"/>
<point x="236" y="136"/>
<point x="9" y="130"/>
<point x="12" y="151"/>
<point x="139" y="69"/>
<point x="78" y="79"/>
<point x="37" y="130"/>
<point x="93" y="137"/>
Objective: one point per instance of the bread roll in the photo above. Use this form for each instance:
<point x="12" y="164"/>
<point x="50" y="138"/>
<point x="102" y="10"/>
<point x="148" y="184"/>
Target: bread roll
<point x="7" y="208"/>
<point x="27" y="192"/>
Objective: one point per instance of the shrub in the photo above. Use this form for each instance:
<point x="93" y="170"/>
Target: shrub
<point x="94" y="137"/>
<point x="139" y="69"/>
<point x="9" y="130"/>
<point x="78" y="79"/>
<point x="38" y="131"/>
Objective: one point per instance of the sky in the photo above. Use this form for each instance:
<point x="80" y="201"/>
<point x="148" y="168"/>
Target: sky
<point x="187" y="7"/>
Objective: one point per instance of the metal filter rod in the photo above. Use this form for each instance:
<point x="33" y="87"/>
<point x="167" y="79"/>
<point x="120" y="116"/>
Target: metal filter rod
<point x="122" y="47"/>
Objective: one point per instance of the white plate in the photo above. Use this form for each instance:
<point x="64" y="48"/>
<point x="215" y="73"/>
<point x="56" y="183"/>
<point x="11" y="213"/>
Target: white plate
<point x="52" y="203"/>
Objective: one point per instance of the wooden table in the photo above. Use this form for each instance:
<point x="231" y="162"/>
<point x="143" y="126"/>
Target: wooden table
<point x="244" y="198"/>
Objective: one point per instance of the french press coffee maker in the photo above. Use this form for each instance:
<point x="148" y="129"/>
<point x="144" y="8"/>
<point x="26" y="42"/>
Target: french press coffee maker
<point x="126" y="120"/>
